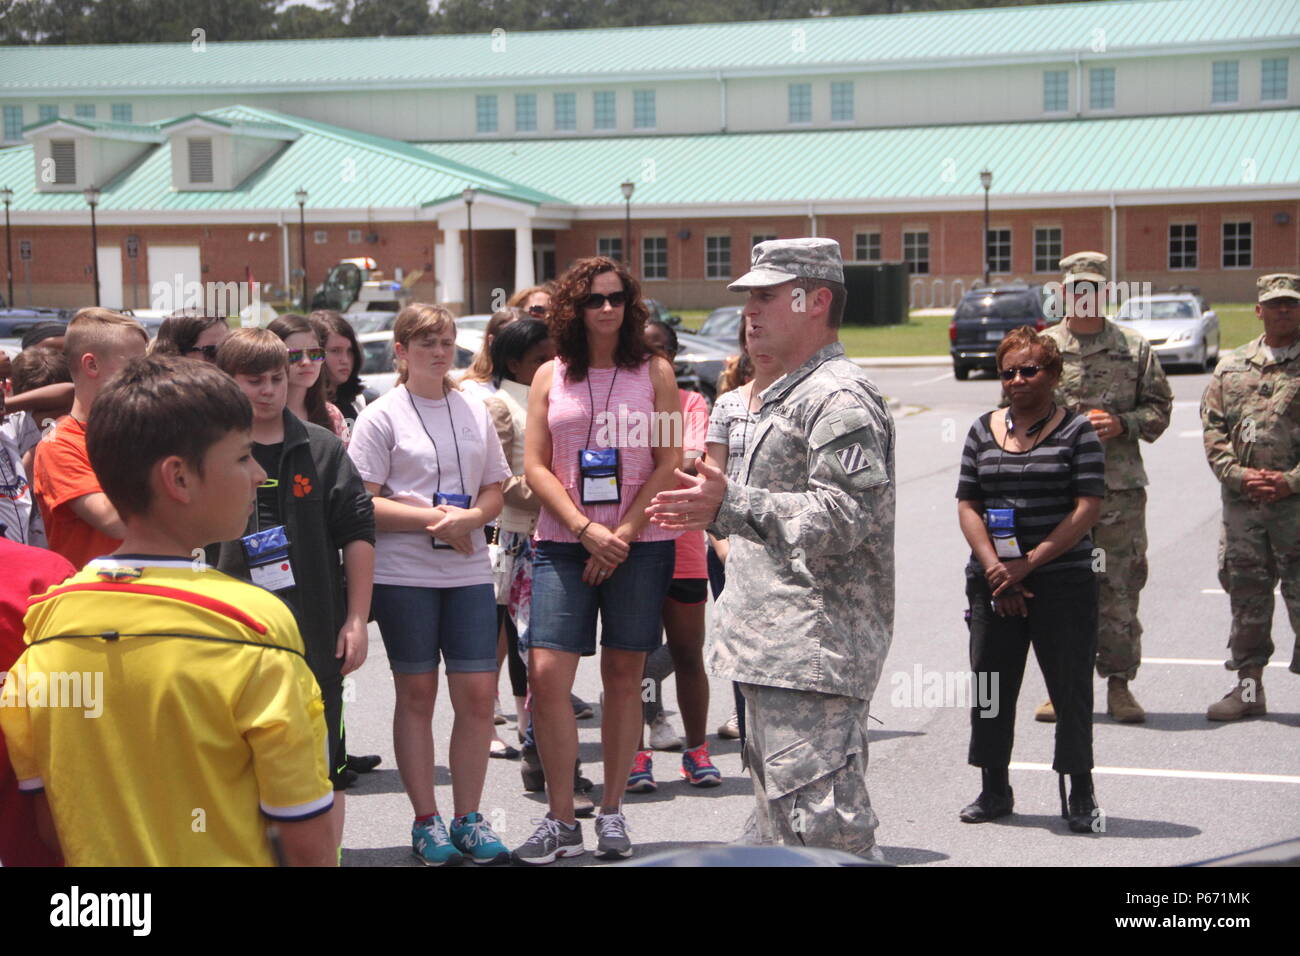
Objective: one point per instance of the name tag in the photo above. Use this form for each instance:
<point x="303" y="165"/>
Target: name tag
<point x="268" y="558"/>
<point x="1001" y="523"/>
<point x="456" y="501"/>
<point x="599" y="471"/>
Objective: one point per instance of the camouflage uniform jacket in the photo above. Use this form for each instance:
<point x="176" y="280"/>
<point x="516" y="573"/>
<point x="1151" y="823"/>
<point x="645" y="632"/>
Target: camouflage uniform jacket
<point x="1119" y="374"/>
<point x="809" y="601"/>
<point x="1251" y="416"/>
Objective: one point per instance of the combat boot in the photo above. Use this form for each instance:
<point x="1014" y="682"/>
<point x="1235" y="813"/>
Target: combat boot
<point x="1120" y="703"/>
<point x="1244" y="700"/>
<point x="530" y="769"/>
<point x="1045" y="713"/>
<point x="1295" y="660"/>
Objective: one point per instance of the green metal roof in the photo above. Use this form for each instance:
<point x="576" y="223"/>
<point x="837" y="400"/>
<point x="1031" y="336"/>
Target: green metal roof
<point x="1056" y="31"/>
<point x="106" y="127"/>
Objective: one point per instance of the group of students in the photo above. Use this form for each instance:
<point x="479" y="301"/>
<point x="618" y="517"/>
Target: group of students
<point x="225" y="513"/>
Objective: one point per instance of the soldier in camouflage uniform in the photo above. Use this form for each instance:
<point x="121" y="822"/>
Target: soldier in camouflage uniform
<point x="806" y="619"/>
<point x="1112" y="376"/>
<point x="1251" y="416"/>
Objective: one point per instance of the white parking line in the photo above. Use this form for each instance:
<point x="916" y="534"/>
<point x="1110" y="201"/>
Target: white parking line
<point x="1195" y="661"/>
<point x="1180" y="774"/>
<point x="1276" y="590"/>
<point x="938" y="378"/>
<point x="1191" y="433"/>
<point x="1187" y="404"/>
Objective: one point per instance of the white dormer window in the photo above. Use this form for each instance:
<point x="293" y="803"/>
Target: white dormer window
<point x="64" y="154"/>
<point x="200" y="157"/>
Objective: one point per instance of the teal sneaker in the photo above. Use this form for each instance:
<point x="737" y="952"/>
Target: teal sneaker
<point x="472" y="835"/>
<point x="432" y="846"/>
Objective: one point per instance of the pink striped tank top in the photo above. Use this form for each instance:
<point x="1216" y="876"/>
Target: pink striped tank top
<point x="572" y="414"/>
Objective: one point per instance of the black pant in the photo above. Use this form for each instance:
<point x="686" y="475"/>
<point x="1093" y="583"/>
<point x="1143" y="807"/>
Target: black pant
<point x="514" y="663"/>
<point x="1062" y="626"/>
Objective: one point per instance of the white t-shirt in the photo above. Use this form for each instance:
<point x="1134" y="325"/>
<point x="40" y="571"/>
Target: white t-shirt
<point x="390" y="448"/>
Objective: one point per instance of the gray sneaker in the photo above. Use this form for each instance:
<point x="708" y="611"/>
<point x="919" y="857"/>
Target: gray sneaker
<point x="549" y="842"/>
<point x="612" y="841"/>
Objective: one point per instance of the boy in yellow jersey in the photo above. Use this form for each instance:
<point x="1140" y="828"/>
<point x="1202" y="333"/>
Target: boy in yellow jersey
<point x="163" y="713"/>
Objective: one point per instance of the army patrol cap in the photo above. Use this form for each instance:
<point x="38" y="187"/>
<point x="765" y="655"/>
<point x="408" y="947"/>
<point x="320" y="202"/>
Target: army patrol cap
<point x="1084" y="267"/>
<point x="780" y="260"/>
<point x="1279" y="285"/>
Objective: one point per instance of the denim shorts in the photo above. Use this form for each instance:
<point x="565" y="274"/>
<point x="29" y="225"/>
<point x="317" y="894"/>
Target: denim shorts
<point x="418" y="624"/>
<point x="563" y="615"/>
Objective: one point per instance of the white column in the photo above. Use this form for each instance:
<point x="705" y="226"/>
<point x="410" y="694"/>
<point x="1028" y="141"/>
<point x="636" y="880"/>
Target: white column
<point x="453" y="267"/>
<point x="524" y="274"/>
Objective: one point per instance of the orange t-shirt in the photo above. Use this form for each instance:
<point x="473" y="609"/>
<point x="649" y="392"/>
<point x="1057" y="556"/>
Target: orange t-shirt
<point x="61" y="474"/>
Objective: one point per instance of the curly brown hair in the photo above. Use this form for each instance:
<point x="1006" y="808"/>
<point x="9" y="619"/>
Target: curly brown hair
<point x="568" y="330"/>
<point x="1027" y="339"/>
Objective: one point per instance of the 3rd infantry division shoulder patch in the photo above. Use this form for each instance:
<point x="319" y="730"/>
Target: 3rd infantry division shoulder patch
<point x="853" y="458"/>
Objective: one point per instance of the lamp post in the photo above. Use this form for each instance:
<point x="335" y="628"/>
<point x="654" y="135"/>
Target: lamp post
<point x="92" y="199"/>
<point x="627" y="188"/>
<point x="7" y="196"/>
<point x="301" y="197"/>
<point x="469" y="195"/>
<point x="986" y="180"/>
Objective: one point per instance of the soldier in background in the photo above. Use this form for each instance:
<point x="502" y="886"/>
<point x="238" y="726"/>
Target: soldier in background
<point x="1251" y="416"/>
<point x="807" y="615"/>
<point x="1112" y="376"/>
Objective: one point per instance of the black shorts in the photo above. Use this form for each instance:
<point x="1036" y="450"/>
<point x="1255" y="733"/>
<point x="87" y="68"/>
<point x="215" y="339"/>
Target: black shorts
<point x="689" y="590"/>
<point x="336" y="748"/>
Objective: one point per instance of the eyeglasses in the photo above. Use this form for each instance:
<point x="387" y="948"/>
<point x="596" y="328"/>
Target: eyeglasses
<point x="1025" y="371"/>
<point x="597" y="301"/>
<point x="538" y="310"/>
<point x="209" y="352"/>
<point x="315" y="355"/>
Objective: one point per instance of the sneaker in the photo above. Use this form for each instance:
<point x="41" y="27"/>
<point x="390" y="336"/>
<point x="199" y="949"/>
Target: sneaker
<point x="581" y="709"/>
<point x="364" y="764"/>
<point x="549" y="842"/>
<point x="698" y="769"/>
<point x="731" y="729"/>
<point x="662" y="734"/>
<point x="498" y="715"/>
<point x="612" y="841"/>
<point x="472" y="835"/>
<point x="431" y="844"/>
<point x="642" y="778"/>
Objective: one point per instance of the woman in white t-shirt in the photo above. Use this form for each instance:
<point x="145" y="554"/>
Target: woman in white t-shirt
<point x="432" y="460"/>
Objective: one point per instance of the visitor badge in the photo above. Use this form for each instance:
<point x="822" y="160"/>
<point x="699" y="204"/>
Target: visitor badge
<point x="456" y="501"/>
<point x="598" y="470"/>
<point x="1001" y="523"/>
<point x="267" y="553"/>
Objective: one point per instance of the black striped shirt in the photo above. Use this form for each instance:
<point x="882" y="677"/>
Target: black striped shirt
<point x="1041" y="484"/>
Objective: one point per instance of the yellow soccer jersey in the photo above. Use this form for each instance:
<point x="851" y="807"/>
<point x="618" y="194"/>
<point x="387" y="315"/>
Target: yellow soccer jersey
<point x="166" y="712"/>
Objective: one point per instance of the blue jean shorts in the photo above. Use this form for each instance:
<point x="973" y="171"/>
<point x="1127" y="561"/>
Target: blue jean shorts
<point x="419" y="624"/>
<point x="630" y="603"/>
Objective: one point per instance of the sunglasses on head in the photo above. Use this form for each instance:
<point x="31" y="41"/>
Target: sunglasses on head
<point x="209" y="352"/>
<point x="597" y="301"/>
<point x="537" y="310"/>
<point x="1024" y="371"/>
<point x="315" y="355"/>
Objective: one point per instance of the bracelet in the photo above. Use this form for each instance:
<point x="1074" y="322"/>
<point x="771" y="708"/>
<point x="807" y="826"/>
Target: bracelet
<point x="584" y="528"/>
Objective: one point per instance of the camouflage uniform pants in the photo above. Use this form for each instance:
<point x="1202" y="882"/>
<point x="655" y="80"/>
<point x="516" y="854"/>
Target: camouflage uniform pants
<point x="1121" y="534"/>
<point x="807" y="756"/>
<point x="1258" y="545"/>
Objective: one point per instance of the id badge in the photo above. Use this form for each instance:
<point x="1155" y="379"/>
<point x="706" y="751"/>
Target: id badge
<point x="598" y="470"/>
<point x="456" y="501"/>
<point x="1001" y="523"/>
<point x="268" y="558"/>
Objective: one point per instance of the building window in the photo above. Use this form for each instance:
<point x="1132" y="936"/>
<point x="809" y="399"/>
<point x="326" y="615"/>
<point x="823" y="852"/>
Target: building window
<point x="47" y="113"/>
<point x="717" y="257"/>
<point x="866" y="247"/>
<point x="320" y="237"/>
<point x="1223" y="88"/>
<point x="916" y="252"/>
<point x="200" y="155"/>
<point x="566" y="111"/>
<point x="603" y="114"/>
<point x="610" y="246"/>
<point x="354" y="237"/>
<point x="64" y="154"/>
<point x="122" y="113"/>
<point x="758" y="237"/>
<point x="13" y="123"/>
<point x="842" y="102"/>
<point x="643" y="109"/>
<point x="1236" y="245"/>
<point x="1056" y="91"/>
<point x="997" y="250"/>
<point x="85" y="111"/>
<point x="485" y="111"/>
<point x="1101" y="88"/>
<point x="799" y="97"/>
<point x="525" y="112"/>
<point x="1273" y="78"/>
<point x="1047" y="249"/>
<point x="1182" y="245"/>
<point x="654" y="257"/>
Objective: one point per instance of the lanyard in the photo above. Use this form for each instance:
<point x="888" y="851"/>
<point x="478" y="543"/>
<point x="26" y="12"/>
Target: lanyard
<point x="1035" y="430"/>
<point x="451" y="423"/>
<point x="592" y="397"/>
<point x="9" y="481"/>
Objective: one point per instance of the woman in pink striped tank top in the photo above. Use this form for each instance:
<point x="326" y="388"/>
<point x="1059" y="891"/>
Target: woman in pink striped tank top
<point x="596" y="452"/>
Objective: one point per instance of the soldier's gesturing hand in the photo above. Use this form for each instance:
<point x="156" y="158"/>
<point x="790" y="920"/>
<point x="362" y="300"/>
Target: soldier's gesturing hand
<point x="693" y="506"/>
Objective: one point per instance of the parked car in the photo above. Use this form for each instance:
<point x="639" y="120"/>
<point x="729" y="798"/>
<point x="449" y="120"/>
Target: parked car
<point x="700" y="362"/>
<point x="1182" y="329"/>
<point x="379" y="362"/>
<point x="983" y="318"/>
<point x="15" y="323"/>
<point x="723" y="325"/>
<point x="660" y="311"/>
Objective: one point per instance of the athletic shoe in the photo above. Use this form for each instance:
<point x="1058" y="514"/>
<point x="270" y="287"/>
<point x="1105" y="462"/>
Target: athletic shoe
<point x="431" y="844"/>
<point x="731" y="729"/>
<point x="498" y="715"/>
<point x="612" y="841"/>
<point x="364" y="764"/>
<point x="581" y="709"/>
<point x="698" y="769"/>
<point x="551" y="840"/>
<point x="662" y="734"/>
<point x="642" y="778"/>
<point x="475" y="839"/>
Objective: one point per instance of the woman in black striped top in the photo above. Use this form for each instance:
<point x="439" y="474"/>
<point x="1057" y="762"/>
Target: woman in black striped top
<point x="1032" y="480"/>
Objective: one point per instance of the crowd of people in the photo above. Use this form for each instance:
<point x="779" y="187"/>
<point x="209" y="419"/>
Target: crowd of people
<point x="198" y="529"/>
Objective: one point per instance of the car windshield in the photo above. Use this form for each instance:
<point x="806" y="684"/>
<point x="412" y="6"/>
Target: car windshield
<point x="1142" y="309"/>
<point x="724" y="323"/>
<point x="999" y="306"/>
<point x="376" y="357"/>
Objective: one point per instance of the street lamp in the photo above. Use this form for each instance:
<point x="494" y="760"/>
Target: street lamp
<point x="627" y="188"/>
<point x="469" y="195"/>
<point x="301" y="197"/>
<point x="986" y="180"/>
<point x="92" y="199"/>
<point x="7" y="196"/>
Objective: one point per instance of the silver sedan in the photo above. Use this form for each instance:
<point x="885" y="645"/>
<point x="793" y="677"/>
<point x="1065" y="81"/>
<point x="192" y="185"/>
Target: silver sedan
<point x="1182" y="332"/>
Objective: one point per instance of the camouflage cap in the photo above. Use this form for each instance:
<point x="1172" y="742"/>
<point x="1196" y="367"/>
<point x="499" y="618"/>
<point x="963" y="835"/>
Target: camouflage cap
<point x="780" y="260"/>
<point x="1084" y="267"/>
<point x="1279" y="285"/>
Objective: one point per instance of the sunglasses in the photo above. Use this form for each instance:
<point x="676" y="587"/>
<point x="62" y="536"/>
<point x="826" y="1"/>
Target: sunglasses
<point x="209" y="352"/>
<point x="597" y="301"/>
<point x="315" y="355"/>
<point x="1025" y="371"/>
<point x="538" y="310"/>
